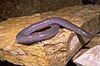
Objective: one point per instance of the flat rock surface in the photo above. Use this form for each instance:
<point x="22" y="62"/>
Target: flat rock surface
<point x="56" y="51"/>
<point x="91" y="55"/>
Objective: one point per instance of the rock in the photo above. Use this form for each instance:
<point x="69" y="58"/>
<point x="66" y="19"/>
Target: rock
<point x="90" y="57"/>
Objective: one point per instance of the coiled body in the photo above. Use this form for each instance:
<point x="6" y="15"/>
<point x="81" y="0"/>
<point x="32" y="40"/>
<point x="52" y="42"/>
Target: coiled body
<point x="29" y="34"/>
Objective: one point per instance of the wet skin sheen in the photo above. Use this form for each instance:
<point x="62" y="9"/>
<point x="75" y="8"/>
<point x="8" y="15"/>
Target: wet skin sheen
<point x="29" y="34"/>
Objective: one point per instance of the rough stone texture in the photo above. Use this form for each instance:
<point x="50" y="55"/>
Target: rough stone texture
<point x="16" y="8"/>
<point x="90" y="54"/>
<point x="89" y="57"/>
<point x="56" y="51"/>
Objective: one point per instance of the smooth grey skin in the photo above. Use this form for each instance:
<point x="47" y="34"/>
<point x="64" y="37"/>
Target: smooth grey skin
<point x="29" y="34"/>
